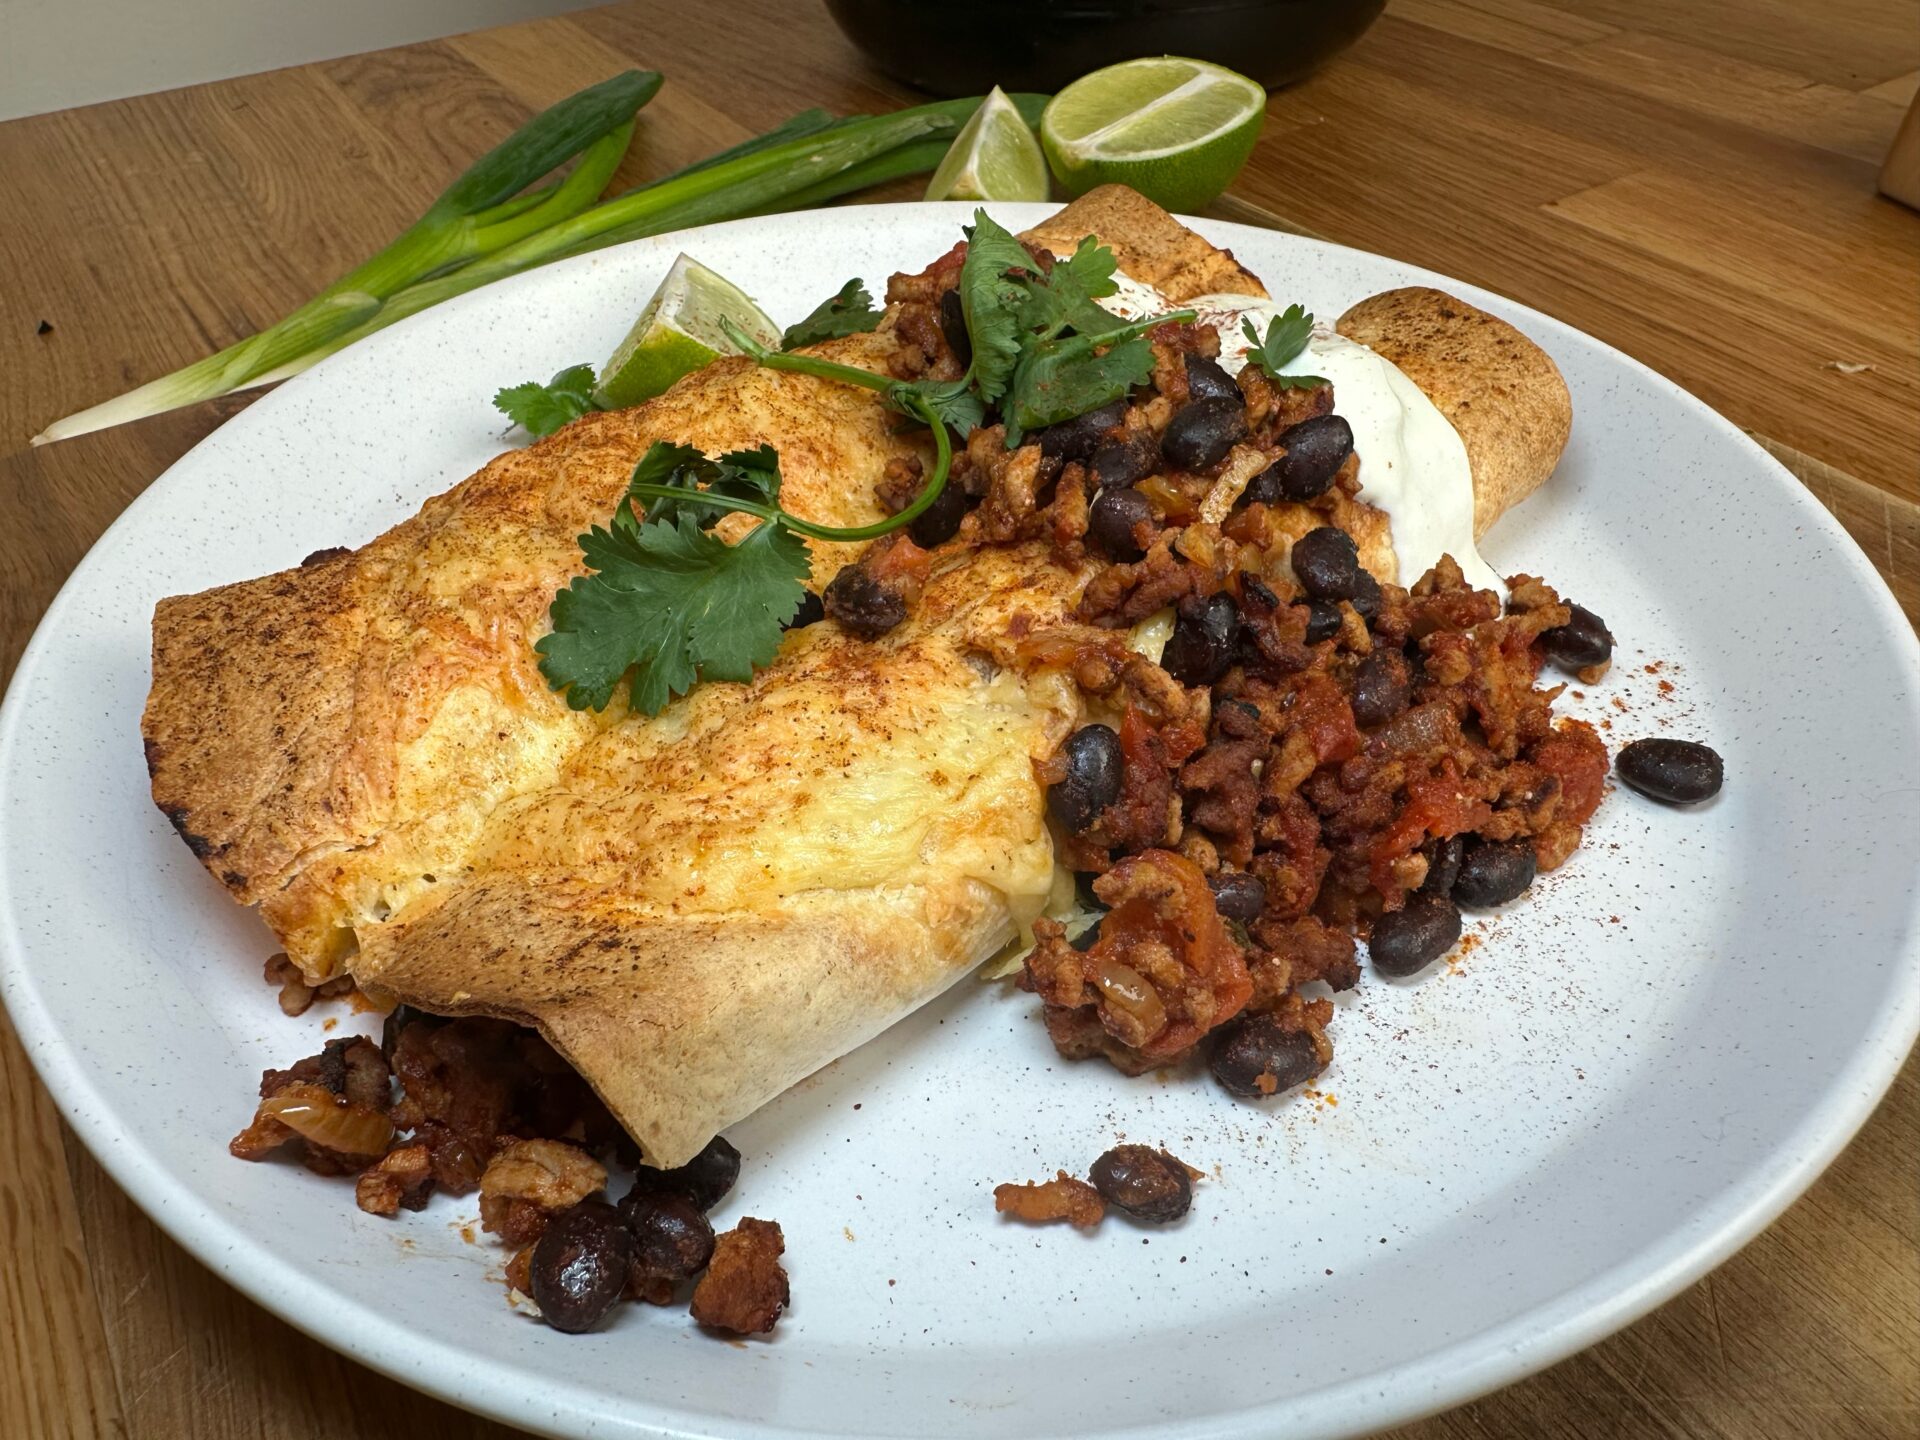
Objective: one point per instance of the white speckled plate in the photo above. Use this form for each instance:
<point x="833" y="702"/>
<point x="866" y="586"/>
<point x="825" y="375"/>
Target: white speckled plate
<point x="1620" y="1083"/>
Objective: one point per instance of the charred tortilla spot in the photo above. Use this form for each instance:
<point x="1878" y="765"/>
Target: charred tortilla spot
<point x="319" y="557"/>
<point x="199" y="844"/>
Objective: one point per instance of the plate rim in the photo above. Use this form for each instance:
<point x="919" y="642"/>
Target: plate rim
<point x="1459" y="1371"/>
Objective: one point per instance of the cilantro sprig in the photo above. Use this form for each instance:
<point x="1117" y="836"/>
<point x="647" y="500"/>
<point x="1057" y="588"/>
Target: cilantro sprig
<point x="1287" y="335"/>
<point x="851" y="312"/>
<point x="667" y="603"/>
<point x="1043" y="349"/>
<point x="542" y="409"/>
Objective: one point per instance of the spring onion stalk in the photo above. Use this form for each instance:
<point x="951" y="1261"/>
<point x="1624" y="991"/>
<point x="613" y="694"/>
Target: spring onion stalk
<point x="762" y="176"/>
<point x="482" y="211"/>
<point x="483" y="230"/>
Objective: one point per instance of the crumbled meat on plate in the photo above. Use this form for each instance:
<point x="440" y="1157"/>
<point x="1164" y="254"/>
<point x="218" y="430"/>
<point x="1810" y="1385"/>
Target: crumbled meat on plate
<point x="530" y="1181"/>
<point x="1043" y="1201"/>
<point x="745" y="1288"/>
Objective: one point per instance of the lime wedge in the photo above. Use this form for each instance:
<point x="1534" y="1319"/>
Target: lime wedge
<point x="678" y="332"/>
<point x="994" y="157"/>
<point x="1176" y="130"/>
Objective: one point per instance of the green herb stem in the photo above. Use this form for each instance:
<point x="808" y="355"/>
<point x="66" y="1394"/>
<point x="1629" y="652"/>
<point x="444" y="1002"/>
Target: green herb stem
<point x="930" y="492"/>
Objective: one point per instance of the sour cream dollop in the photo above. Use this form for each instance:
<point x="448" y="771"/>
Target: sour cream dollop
<point x="1413" y="464"/>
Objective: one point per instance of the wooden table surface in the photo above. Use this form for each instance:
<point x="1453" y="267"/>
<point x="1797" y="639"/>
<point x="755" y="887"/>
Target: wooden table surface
<point x="1692" y="183"/>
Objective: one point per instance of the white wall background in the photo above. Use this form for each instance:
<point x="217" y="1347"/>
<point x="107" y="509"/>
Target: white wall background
<point x="59" y="53"/>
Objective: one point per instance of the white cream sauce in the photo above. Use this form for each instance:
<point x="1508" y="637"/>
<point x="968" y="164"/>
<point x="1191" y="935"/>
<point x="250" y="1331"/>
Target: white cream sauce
<point x="1413" y="464"/>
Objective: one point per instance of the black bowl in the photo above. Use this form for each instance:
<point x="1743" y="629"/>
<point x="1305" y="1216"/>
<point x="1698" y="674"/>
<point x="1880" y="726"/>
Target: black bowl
<point x="964" y="47"/>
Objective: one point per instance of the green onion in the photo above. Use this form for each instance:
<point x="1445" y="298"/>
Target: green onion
<point x="763" y="176"/>
<point x="482" y="211"/>
<point x="483" y="229"/>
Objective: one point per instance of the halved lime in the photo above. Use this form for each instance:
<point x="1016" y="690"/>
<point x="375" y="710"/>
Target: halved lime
<point x="994" y="157"/>
<point x="1176" y="130"/>
<point x="678" y="332"/>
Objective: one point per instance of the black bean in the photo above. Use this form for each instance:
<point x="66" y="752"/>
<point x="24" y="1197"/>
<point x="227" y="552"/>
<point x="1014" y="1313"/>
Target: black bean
<point x="1202" y="644"/>
<point x="1087" y="938"/>
<point x="1409" y="939"/>
<point x="1238" y="895"/>
<point x="1443" y="864"/>
<point x="1582" y="641"/>
<point x="1083" y="890"/>
<point x="1256" y="596"/>
<point x="1382" y="687"/>
<point x="1202" y="431"/>
<point x="672" y="1241"/>
<point x="1092" y="783"/>
<point x="579" y="1266"/>
<point x="811" y="612"/>
<point x="1112" y="520"/>
<point x="953" y="324"/>
<point x="1493" y="872"/>
<point x="397" y="1020"/>
<point x="1327" y="562"/>
<point x="862" y="604"/>
<point x="1120" y="462"/>
<point x="1079" y="437"/>
<point x="1207" y="381"/>
<point x="1323" y="621"/>
<point x="1679" y="772"/>
<point x="1254" y="1057"/>
<point x="1316" y="449"/>
<point x="1366" y="597"/>
<point x="938" y="522"/>
<point x="705" y="1179"/>
<point x="1145" y="1183"/>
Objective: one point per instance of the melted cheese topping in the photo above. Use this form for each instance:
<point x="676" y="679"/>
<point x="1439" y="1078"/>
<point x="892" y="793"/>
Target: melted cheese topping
<point x="848" y="766"/>
<point x="1413" y="464"/>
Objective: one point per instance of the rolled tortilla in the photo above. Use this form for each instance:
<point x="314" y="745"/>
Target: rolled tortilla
<point x="1502" y="392"/>
<point x="698" y="909"/>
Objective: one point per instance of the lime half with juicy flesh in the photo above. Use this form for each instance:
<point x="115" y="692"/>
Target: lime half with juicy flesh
<point x="994" y="157"/>
<point x="678" y="332"/>
<point x="1176" y="130"/>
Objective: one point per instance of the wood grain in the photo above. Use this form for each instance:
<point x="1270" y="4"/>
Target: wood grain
<point x="1693" y="184"/>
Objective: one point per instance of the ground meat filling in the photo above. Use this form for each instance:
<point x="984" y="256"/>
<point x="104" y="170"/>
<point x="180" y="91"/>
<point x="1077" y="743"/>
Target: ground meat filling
<point x="1045" y="1201"/>
<point x="487" y="1104"/>
<point x="529" y="1182"/>
<point x="330" y="1110"/>
<point x="471" y="1087"/>
<point x="1163" y="972"/>
<point x="745" y="1289"/>
<point x="1317" y="762"/>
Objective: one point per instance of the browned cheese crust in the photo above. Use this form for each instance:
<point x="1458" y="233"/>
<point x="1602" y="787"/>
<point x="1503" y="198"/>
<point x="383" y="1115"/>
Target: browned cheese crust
<point x="279" y="705"/>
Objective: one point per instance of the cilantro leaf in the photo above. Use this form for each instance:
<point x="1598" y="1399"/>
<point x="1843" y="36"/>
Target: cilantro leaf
<point x="670" y="604"/>
<point x="848" y="313"/>
<point x="1059" y="379"/>
<point x="1287" y="335"/>
<point x="1064" y="298"/>
<point x="991" y="301"/>
<point x="954" y="401"/>
<point x="542" y="409"/>
<point x="1067" y="376"/>
<point x="752" y="475"/>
